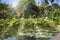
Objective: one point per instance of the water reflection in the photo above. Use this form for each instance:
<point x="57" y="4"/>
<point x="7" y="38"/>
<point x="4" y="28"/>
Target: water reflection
<point x="31" y="36"/>
<point x="12" y="38"/>
<point x="9" y="38"/>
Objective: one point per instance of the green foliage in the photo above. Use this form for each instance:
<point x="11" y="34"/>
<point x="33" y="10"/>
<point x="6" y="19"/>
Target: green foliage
<point x="43" y="17"/>
<point x="43" y="23"/>
<point x="5" y="11"/>
<point x="28" y="8"/>
<point x="6" y="20"/>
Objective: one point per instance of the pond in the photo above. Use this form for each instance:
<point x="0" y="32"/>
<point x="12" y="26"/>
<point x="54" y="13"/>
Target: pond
<point x="24" y="38"/>
<point x="9" y="38"/>
<point x="31" y="36"/>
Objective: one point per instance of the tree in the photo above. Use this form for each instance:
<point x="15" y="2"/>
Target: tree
<point x="51" y="1"/>
<point x="47" y="1"/>
<point x="29" y="8"/>
<point x="3" y="11"/>
<point x="7" y="20"/>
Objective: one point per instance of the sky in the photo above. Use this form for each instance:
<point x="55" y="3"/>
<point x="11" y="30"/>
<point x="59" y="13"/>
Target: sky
<point x="15" y="2"/>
